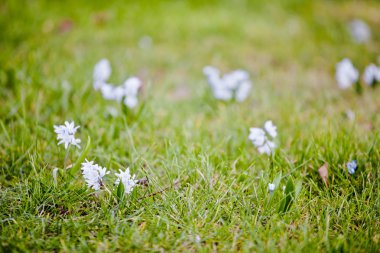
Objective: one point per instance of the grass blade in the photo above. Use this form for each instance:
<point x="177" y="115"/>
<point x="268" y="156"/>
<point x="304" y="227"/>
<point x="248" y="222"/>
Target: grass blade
<point x="78" y="162"/>
<point x="289" y="197"/>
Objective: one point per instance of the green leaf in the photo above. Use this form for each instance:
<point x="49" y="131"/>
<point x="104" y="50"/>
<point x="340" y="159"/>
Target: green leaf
<point x="141" y="109"/>
<point x="120" y="191"/>
<point x="130" y="114"/>
<point x="78" y="162"/>
<point x="289" y="197"/>
<point x="358" y="88"/>
<point x="125" y="110"/>
<point x="277" y="180"/>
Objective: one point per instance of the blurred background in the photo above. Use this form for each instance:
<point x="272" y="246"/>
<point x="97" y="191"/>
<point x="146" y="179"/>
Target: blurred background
<point x="285" y="45"/>
<point x="148" y="37"/>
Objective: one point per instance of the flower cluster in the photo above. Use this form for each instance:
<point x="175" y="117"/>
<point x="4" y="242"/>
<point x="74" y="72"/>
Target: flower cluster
<point x="66" y="134"/>
<point x="352" y="166"/>
<point x="128" y="181"/>
<point x="235" y="84"/>
<point x="127" y="91"/>
<point x="346" y="74"/>
<point x="93" y="174"/>
<point x="260" y="140"/>
<point x="371" y="75"/>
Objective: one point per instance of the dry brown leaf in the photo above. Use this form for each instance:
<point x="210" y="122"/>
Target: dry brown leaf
<point x="142" y="225"/>
<point x="324" y="173"/>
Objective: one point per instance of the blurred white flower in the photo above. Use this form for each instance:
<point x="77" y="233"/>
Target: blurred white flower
<point x="233" y="79"/>
<point x="346" y="74"/>
<point x="218" y="87"/>
<point x="127" y="92"/>
<point x="271" y="187"/>
<point x="211" y="71"/>
<point x="371" y="74"/>
<point x="270" y="128"/>
<point x="102" y="72"/>
<point x="360" y="31"/>
<point x="221" y="92"/>
<point x="243" y="91"/>
<point x="257" y="136"/>
<point x="107" y="91"/>
<point x="66" y="134"/>
<point x="145" y="42"/>
<point x="131" y="88"/>
<point x="93" y="174"/>
<point x="235" y="84"/>
<point x="131" y="102"/>
<point x="260" y="140"/>
<point x="118" y="93"/>
<point x="352" y="166"/>
<point x="267" y="147"/>
<point x="128" y="181"/>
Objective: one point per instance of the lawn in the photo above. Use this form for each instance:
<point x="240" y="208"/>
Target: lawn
<point x="205" y="184"/>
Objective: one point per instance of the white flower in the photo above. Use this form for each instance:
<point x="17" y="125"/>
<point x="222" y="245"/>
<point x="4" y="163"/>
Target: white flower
<point x="68" y="127"/>
<point x="102" y="72"/>
<point x="128" y="181"/>
<point x="271" y="187"/>
<point x="346" y="74"/>
<point x="235" y="78"/>
<point x="267" y="147"/>
<point x="130" y="101"/>
<point x="118" y="93"/>
<point x="127" y="91"/>
<point x="107" y="91"/>
<point x="131" y="88"/>
<point x="371" y="74"/>
<point x="211" y="71"/>
<point x="110" y="92"/>
<point x="257" y="136"/>
<point x="67" y="140"/>
<point x="93" y="174"/>
<point x="243" y="91"/>
<point x="360" y="31"/>
<point x="218" y="87"/>
<point x="270" y="128"/>
<point x="235" y="84"/>
<point x="352" y="166"/>
<point x="66" y="134"/>
<point x="221" y="92"/>
<point x="260" y="139"/>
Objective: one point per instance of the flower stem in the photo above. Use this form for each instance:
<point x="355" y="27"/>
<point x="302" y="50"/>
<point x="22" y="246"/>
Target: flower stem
<point x="66" y="157"/>
<point x="105" y="187"/>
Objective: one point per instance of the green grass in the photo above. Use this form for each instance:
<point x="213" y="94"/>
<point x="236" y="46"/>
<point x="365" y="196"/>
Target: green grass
<point x="48" y="50"/>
